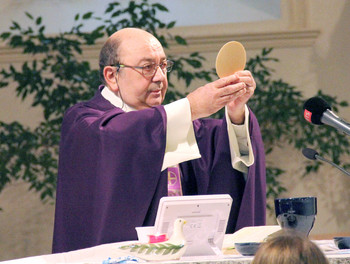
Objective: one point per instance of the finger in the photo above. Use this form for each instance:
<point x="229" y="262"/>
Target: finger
<point x="248" y="81"/>
<point x="232" y="97"/>
<point x="244" y="73"/>
<point x="232" y="89"/>
<point x="223" y="82"/>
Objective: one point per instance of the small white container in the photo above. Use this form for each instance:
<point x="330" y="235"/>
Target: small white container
<point x="143" y="233"/>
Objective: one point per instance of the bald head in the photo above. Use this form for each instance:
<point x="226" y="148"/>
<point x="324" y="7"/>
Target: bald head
<point x="124" y="42"/>
<point x="130" y="33"/>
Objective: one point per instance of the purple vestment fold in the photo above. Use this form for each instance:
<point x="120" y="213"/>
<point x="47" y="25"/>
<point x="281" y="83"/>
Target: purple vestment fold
<point x="110" y="179"/>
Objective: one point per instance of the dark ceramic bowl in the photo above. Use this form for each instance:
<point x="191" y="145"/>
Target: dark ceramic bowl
<point x="248" y="248"/>
<point x="297" y="205"/>
<point x="342" y="242"/>
<point x="297" y="213"/>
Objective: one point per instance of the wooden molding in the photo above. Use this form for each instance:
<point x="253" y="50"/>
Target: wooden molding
<point x="280" y="39"/>
<point x="206" y="43"/>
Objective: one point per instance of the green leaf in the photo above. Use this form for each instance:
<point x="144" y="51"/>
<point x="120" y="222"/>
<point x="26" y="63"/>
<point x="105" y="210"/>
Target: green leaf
<point x="41" y="29"/>
<point x="194" y="63"/>
<point x="180" y="40"/>
<point x="344" y="104"/>
<point x="167" y="251"/>
<point x="87" y="15"/>
<point x="38" y="20"/>
<point x="142" y="249"/>
<point x="116" y="13"/>
<point x="111" y="7"/>
<point x="158" y="248"/>
<point x="175" y="250"/>
<point x="160" y="7"/>
<point x="5" y="35"/>
<point x="3" y="84"/>
<point x="29" y="15"/>
<point x="171" y="24"/>
<point x="15" y="25"/>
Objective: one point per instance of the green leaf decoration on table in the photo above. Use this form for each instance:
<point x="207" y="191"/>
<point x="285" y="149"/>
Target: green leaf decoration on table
<point x="158" y="248"/>
<point x="170" y="249"/>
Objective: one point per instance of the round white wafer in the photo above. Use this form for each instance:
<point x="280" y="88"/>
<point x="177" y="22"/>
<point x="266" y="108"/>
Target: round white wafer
<point x="230" y="59"/>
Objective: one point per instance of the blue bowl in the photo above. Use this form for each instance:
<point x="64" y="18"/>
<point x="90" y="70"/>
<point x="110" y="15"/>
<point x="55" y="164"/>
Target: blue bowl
<point x="342" y="242"/>
<point x="248" y="248"/>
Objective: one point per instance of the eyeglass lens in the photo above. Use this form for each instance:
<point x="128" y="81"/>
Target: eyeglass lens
<point x="152" y="68"/>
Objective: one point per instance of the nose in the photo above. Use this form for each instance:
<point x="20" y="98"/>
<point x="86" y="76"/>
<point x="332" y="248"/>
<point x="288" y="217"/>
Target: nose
<point x="159" y="74"/>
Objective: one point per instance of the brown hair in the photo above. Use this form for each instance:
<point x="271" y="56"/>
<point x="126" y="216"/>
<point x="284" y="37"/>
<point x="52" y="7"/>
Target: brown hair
<point x="289" y="247"/>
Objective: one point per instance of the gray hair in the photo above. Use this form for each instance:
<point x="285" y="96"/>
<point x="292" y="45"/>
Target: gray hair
<point x="108" y="56"/>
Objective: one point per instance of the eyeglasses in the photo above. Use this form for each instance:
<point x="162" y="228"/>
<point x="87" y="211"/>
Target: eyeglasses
<point x="150" y="69"/>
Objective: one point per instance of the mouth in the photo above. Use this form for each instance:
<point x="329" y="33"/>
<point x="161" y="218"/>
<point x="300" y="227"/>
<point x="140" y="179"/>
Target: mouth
<point x="156" y="91"/>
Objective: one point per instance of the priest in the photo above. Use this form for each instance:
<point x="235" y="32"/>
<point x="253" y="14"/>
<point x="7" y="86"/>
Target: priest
<point x="122" y="150"/>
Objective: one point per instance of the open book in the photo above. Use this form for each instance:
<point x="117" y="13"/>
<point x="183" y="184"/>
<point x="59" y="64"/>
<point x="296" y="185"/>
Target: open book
<point x="249" y="234"/>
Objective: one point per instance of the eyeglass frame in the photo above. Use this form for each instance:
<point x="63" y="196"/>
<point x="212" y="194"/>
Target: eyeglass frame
<point x="168" y="67"/>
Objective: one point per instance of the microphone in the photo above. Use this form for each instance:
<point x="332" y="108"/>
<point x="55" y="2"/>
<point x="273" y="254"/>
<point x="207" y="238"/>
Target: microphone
<point x="313" y="155"/>
<point x="318" y="112"/>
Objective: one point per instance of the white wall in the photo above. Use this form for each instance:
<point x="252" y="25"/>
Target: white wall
<point x="59" y="14"/>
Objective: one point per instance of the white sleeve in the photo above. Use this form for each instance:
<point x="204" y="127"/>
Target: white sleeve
<point x="240" y="145"/>
<point x="181" y="144"/>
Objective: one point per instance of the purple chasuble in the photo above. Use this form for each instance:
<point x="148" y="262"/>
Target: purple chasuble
<point x="110" y="179"/>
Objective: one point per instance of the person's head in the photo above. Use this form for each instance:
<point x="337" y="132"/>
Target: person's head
<point x="138" y="88"/>
<point x="289" y="247"/>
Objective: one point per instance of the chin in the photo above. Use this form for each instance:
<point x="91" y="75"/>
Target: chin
<point x="155" y="104"/>
<point x="156" y="101"/>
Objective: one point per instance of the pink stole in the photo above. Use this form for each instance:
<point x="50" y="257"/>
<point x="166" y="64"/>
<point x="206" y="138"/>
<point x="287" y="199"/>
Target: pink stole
<point x="174" y="181"/>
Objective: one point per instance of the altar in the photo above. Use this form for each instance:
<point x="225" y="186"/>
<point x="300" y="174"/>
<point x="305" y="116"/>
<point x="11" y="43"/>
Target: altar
<point x="97" y="254"/>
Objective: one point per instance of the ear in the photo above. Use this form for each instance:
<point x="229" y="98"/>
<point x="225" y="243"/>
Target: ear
<point x="110" y="74"/>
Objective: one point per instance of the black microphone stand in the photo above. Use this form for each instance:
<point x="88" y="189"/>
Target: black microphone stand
<point x="332" y="163"/>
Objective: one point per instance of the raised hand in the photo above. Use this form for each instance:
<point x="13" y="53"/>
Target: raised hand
<point x="236" y="106"/>
<point x="210" y="98"/>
